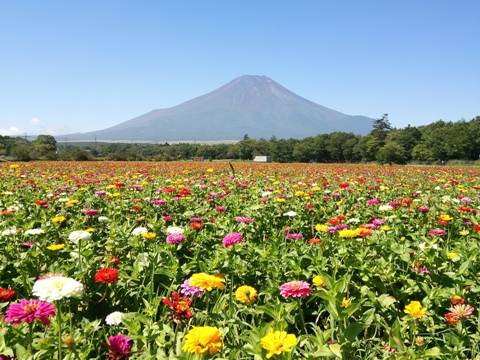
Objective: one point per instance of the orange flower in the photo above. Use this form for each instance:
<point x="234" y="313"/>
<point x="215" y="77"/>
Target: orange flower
<point x="107" y="276"/>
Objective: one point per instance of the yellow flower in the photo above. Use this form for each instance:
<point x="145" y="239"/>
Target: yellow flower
<point x="149" y="235"/>
<point x="464" y="232"/>
<point x="278" y="342"/>
<point x="346" y="233"/>
<point x="280" y="200"/>
<point x="58" y="219"/>
<point x="207" y="282"/>
<point x="345" y="302"/>
<point x="339" y="203"/>
<point x="446" y="217"/>
<point x="415" y="309"/>
<point x="320" y="227"/>
<point x="56" y="247"/>
<point x="318" y="281"/>
<point x="116" y="194"/>
<point x="385" y="227"/>
<point x="90" y="230"/>
<point x="202" y="339"/>
<point x="299" y="193"/>
<point x="246" y="294"/>
<point x="110" y="187"/>
<point x="71" y="202"/>
<point x="14" y="166"/>
<point x="452" y="255"/>
<point x="209" y="170"/>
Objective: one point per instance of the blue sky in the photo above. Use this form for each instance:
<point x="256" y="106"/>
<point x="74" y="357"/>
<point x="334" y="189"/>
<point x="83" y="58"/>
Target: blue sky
<point x="78" y="66"/>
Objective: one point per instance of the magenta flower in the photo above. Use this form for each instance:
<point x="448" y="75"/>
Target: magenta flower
<point x="175" y="238"/>
<point x="373" y="201"/>
<point x="119" y="347"/>
<point x="437" y="232"/>
<point x="188" y="289"/>
<point x="294" y="236"/>
<point x="423" y="209"/>
<point x="232" y="239"/>
<point x="29" y="310"/>
<point x="295" y="288"/>
<point x="243" y="219"/>
<point x="91" y="212"/>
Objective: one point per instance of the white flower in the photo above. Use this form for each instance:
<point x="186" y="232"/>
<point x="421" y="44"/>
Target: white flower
<point x="353" y="220"/>
<point x="114" y="318"/>
<point x="34" y="231"/>
<point x="266" y="193"/>
<point x="327" y="192"/>
<point x="75" y="236"/>
<point x="385" y="207"/>
<point x="63" y="199"/>
<point x="290" y="213"/>
<point x="139" y="231"/>
<point x="102" y="218"/>
<point x="57" y="288"/>
<point x="12" y="208"/>
<point x="437" y="188"/>
<point x="10" y="231"/>
<point x="174" y="230"/>
<point x="422" y="245"/>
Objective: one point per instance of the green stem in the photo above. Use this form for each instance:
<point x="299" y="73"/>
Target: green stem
<point x="302" y="320"/>
<point x="30" y="338"/>
<point x="59" y="324"/>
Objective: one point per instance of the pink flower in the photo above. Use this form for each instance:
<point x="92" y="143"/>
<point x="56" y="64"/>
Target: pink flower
<point x="462" y="310"/>
<point x="91" y="212"/>
<point x="188" y="289"/>
<point x="294" y="236"/>
<point x="175" y="238"/>
<point x="29" y="310"/>
<point x="232" y="239"/>
<point x="119" y="347"/>
<point x="437" y="232"/>
<point x="295" y="288"/>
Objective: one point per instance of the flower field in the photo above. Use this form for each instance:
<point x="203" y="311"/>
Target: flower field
<point x="185" y="260"/>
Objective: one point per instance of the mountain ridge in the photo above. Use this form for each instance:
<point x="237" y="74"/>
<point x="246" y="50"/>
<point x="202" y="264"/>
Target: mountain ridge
<point x="249" y="104"/>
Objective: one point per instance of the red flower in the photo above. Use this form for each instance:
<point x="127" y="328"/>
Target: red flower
<point x="476" y="227"/>
<point x="457" y="300"/>
<point x="179" y="307"/>
<point x="451" y="319"/>
<point x="343" y="185"/>
<point x="6" y="295"/>
<point x="333" y="221"/>
<point x="315" y="241"/>
<point x="196" y="225"/>
<point x="442" y="222"/>
<point x="107" y="276"/>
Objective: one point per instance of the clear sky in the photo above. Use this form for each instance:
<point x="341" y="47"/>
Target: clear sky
<point x="85" y="65"/>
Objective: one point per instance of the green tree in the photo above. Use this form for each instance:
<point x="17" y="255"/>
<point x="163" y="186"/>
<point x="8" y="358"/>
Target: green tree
<point x="391" y="153"/>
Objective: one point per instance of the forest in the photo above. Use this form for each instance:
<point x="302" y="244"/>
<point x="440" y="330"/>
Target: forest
<point x="438" y="142"/>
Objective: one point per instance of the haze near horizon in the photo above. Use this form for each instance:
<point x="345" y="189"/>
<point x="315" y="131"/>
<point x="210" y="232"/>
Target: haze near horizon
<point x="84" y="66"/>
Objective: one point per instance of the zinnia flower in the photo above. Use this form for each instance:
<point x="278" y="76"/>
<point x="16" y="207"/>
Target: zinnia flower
<point x="179" y="307"/>
<point x="188" y="289"/>
<point x="175" y="238"/>
<point x="56" y="247"/>
<point x="451" y="319"/>
<point x="232" y="239"/>
<point x="295" y="288"/>
<point x="6" y="295"/>
<point x="75" y="236"/>
<point x="462" y="310"/>
<point x="278" y="342"/>
<point x="457" y="300"/>
<point x="91" y="212"/>
<point x="139" y="231"/>
<point x="246" y="294"/>
<point x="174" y="230"/>
<point x="119" y="347"/>
<point x="57" y="288"/>
<point x="207" y="282"/>
<point x="345" y="303"/>
<point x="437" y="232"/>
<point x="28" y="311"/>
<point x="415" y="309"/>
<point x="115" y="318"/>
<point x="149" y="235"/>
<point x="318" y="281"/>
<point x="107" y="276"/>
<point x="201" y="339"/>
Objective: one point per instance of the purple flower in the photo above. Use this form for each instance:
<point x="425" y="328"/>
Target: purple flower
<point x="243" y="219"/>
<point x="100" y="192"/>
<point x="91" y="212"/>
<point x="232" y="239"/>
<point x="187" y="289"/>
<point x="423" y="270"/>
<point x="195" y="219"/>
<point x="158" y="202"/>
<point x="466" y="200"/>
<point x="341" y="226"/>
<point x="26" y="245"/>
<point x="119" y="347"/>
<point x="294" y="236"/>
<point x="175" y="238"/>
<point x="373" y="202"/>
<point x="378" y="221"/>
<point x="437" y="232"/>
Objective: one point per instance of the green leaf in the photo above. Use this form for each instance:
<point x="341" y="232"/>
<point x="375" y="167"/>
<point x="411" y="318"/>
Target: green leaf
<point x="335" y="348"/>
<point x="433" y="352"/>
<point x="353" y="330"/>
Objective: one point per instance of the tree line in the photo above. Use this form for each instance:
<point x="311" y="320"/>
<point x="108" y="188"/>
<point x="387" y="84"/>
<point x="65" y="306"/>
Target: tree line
<point x="437" y="142"/>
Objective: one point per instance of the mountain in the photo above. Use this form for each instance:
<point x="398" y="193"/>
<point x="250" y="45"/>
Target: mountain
<point x="253" y="105"/>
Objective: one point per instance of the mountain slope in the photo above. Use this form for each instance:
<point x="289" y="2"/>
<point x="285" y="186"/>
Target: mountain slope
<point x="253" y="105"/>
